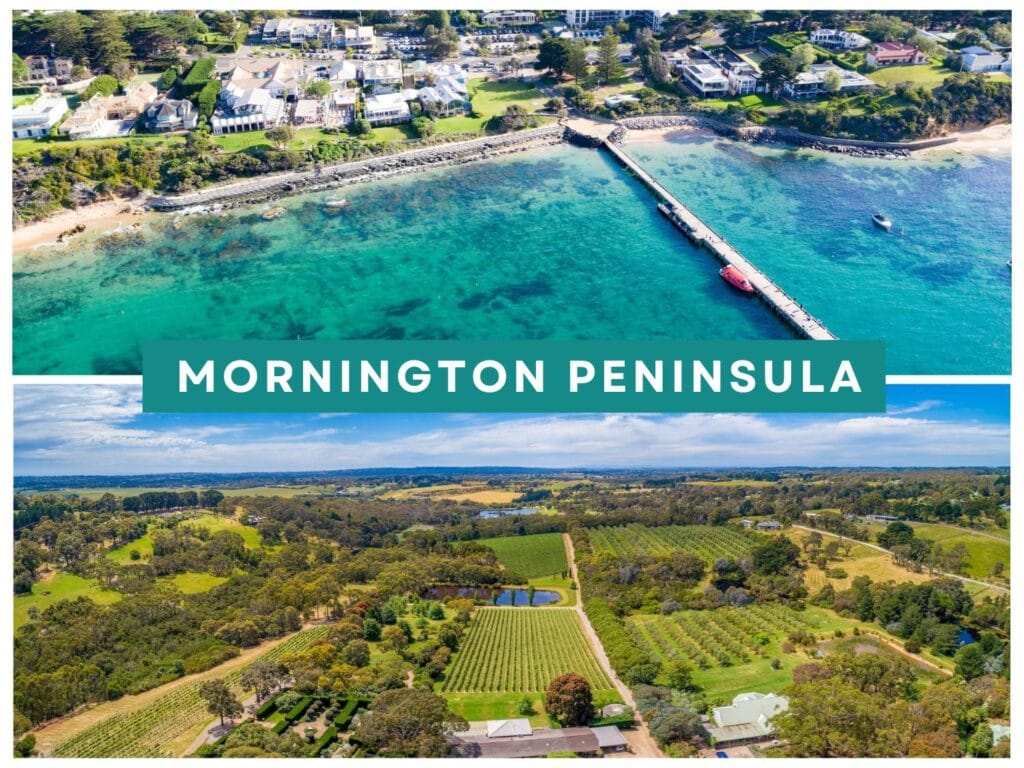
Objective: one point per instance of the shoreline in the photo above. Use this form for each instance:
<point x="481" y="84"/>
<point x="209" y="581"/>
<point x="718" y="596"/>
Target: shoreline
<point x="94" y="218"/>
<point x="113" y="215"/>
<point x="990" y="140"/>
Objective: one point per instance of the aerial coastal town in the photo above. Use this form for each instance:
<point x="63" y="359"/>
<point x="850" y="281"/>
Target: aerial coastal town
<point x="219" y="95"/>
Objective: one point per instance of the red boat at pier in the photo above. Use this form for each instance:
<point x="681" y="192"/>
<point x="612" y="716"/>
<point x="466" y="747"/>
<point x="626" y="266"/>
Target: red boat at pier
<point x="735" y="278"/>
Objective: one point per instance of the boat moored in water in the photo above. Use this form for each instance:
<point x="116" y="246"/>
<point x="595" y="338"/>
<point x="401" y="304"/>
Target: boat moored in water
<point x="273" y="213"/>
<point x="881" y="221"/>
<point x="735" y="278"/>
<point x="336" y="203"/>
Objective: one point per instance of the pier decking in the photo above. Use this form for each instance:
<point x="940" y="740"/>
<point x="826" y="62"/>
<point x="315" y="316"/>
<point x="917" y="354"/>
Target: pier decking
<point x="702" y="235"/>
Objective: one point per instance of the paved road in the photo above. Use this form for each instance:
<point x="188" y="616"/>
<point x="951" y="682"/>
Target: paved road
<point x="965" y="579"/>
<point x="641" y="743"/>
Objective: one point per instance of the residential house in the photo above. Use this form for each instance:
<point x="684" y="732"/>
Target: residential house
<point x="246" y="109"/>
<point x="165" y="115"/>
<point x="292" y="31"/>
<point x="988" y="61"/>
<point x="359" y="38"/>
<point x="42" y="68"/>
<point x="616" y="100"/>
<point x="676" y="60"/>
<point x="379" y="73"/>
<point x="108" y="116"/>
<point x="282" y="78"/>
<point x="769" y="525"/>
<point x="309" y="111"/>
<point x="342" y="73"/>
<point x="744" y="78"/>
<point x="499" y="729"/>
<point x="838" y="39"/>
<point x="894" y="54"/>
<point x="387" y="109"/>
<point x="747" y="720"/>
<point x="811" y="83"/>
<point x="38" y="118"/>
<point x="509" y="18"/>
<point x="706" y="79"/>
<point x="341" y="109"/>
<point x="447" y="96"/>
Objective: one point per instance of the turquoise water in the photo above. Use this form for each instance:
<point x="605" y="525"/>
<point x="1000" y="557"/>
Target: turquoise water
<point x="939" y="295"/>
<point x="557" y="244"/>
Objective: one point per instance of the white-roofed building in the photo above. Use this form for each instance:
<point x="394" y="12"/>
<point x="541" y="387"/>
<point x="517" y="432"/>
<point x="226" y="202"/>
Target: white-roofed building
<point x="838" y="39"/>
<point x="812" y="82"/>
<point x="747" y="720"/>
<point x="342" y="73"/>
<point x="508" y="18"/>
<point x="382" y="72"/>
<point x="706" y="79"/>
<point x="359" y="38"/>
<point x="497" y="729"/>
<point x="38" y="118"/>
<point x="280" y="77"/>
<point x="446" y="96"/>
<point x="387" y="109"/>
<point x="986" y="61"/>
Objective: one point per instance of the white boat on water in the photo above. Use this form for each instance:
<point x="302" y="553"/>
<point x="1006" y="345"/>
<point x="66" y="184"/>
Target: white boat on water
<point x="882" y="221"/>
<point x="336" y="203"/>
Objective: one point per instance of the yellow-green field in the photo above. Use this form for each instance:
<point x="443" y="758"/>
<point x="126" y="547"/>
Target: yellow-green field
<point x="213" y="523"/>
<point x="984" y="549"/>
<point x="194" y="582"/>
<point x="56" y="586"/>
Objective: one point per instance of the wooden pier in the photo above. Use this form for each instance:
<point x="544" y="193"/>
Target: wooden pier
<point x="702" y="235"/>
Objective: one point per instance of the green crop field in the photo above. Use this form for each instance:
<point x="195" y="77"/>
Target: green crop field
<point x="521" y="650"/>
<point x="150" y="730"/>
<point x="60" y="586"/>
<point x="534" y="556"/>
<point x="707" y="542"/>
<point x="731" y="649"/>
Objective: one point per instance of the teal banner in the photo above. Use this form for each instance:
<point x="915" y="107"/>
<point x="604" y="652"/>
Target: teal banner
<point x="514" y="376"/>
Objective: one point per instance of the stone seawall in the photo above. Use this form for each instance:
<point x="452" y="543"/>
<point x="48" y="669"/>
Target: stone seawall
<point x="327" y="177"/>
<point x="766" y="133"/>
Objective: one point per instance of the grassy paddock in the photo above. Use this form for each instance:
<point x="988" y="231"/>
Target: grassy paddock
<point x="213" y="523"/>
<point x="56" y="586"/>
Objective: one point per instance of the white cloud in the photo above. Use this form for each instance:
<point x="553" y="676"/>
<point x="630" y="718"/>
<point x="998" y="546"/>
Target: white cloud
<point x="91" y="429"/>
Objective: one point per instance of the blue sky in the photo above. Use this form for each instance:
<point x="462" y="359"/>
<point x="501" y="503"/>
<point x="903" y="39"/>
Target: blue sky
<point x="100" y="429"/>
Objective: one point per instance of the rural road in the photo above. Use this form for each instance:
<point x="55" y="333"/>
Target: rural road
<point x="641" y="743"/>
<point x="965" y="579"/>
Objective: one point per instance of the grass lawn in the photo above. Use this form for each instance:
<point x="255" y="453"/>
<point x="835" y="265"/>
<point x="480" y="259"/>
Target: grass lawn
<point x="983" y="551"/>
<point x="930" y="75"/>
<point x="24" y="98"/>
<point x="56" y="586"/>
<point x="460" y="124"/>
<point x="491" y="97"/>
<point x="213" y="523"/>
<point x="194" y="582"/>
<point x="28" y="146"/>
<point x="392" y="133"/>
<point x="540" y="554"/>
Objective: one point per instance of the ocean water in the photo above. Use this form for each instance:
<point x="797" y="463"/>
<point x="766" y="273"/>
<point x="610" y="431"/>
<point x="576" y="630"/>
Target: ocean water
<point x="557" y="244"/>
<point x="938" y="295"/>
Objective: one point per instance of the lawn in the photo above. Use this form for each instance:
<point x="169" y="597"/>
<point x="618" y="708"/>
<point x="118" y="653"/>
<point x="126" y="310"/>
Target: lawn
<point x="24" y="98"/>
<point x="194" y="582"/>
<point x="983" y="551"/>
<point x="56" y="586"/>
<point x="492" y="97"/>
<point x="28" y="146"/>
<point x="930" y="75"/>
<point x="213" y="523"/>
<point x="533" y="556"/>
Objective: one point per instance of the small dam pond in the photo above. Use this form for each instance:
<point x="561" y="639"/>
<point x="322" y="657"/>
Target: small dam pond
<point x="504" y="596"/>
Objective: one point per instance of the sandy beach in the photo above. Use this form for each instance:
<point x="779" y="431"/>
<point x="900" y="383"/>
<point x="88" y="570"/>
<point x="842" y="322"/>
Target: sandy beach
<point x="991" y="140"/>
<point x="97" y="217"/>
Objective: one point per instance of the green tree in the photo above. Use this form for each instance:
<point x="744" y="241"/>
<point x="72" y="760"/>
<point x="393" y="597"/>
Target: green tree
<point x="361" y="127"/>
<point x="576" y="65"/>
<point x="678" y="674"/>
<point x="371" y="630"/>
<point x="103" y="85"/>
<point x="262" y="677"/>
<point x="882" y="26"/>
<point x="802" y="56"/>
<point x="167" y="79"/>
<point x="107" y="41"/>
<point x="553" y="54"/>
<point x="423" y="127"/>
<point x="356" y="653"/>
<point x="776" y="71"/>
<point x="570" y="700"/>
<point x="408" y="722"/>
<point x="317" y="89"/>
<point x="980" y="744"/>
<point x="833" y="81"/>
<point x="220" y="701"/>
<point x="970" y="661"/>
<point x="280" y="135"/>
<point x="608" y="65"/>
<point x="67" y="34"/>
<point x="19" y="70"/>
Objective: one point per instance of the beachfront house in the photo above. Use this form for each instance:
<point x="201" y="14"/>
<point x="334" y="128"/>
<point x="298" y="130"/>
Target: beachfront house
<point x="449" y="95"/>
<point x="838" y="39"/>
<point x="341" y="109"/>
<point x="811" y="84"/>
<point x="706" y="79"/>
<point x="978" y="59"/>
<point x="386" y="109"/>
<point x="38" y="118"/>
<point x="382" y="73"/>
<point x="166" y="115"/>
<point x="747" y="720"/>
<point x="676" y="60"/>
<point x="245" y="109"/>
<point x="103" y="117"/>
<point x="281" y="78"/>
<point x="509" y="18"/>
<point x="743" y="77"/>
<point x="895" y="54"/>
<point x="309" y="112"/>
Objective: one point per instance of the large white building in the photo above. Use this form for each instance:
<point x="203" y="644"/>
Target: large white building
<point x="983" y="60"/>
<point x="838" y="39"/>
<point x="706" y="79"/>
<point x="38" y="118"/>
<point x="812" y="82"/>
<point x="509" y="18"/>
<point x="599" y="17"/>
<point x="386" y="109"/>
<point x="747" y="719"/>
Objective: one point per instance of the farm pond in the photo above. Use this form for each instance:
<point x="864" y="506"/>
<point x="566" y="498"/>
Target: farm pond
<point x="504" y="596"/>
